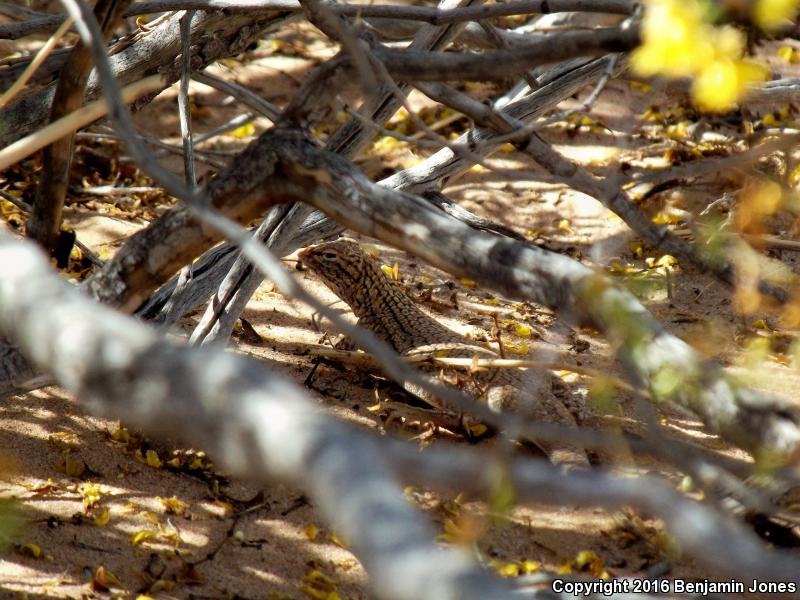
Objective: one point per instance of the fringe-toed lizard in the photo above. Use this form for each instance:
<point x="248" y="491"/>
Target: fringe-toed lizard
<point x="382" y="306"/>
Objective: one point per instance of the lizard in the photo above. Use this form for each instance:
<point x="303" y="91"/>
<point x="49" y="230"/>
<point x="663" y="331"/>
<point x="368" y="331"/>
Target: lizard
<point x="383" y="307"/>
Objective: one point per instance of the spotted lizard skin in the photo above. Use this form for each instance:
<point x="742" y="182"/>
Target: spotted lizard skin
<point x="382" y="306"/>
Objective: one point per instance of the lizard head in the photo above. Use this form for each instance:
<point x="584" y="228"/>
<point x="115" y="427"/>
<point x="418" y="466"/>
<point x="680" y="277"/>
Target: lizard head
<point x="341" y="265"/>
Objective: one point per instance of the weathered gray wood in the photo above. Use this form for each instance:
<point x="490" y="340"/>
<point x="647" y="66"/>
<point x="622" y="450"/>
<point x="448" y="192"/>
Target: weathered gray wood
<point x="44" y="224"/>
<point x="216" y="35"/>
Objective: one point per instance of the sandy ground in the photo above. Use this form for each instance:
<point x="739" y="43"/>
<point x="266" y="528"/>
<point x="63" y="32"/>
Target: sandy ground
<point x="103" y="508"/>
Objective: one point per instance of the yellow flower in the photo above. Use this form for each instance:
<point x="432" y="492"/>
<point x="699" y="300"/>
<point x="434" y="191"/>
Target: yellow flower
<point x="675" y="39"/>
<point x="771" y="14"/>
<point x="678" y="42"/>
<point x="719" y="86"/>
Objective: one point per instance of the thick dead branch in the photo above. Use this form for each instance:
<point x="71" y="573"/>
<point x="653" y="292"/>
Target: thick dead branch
<point x="502" y="64"/>
<point x="34" y="64"/>
<point x="44" y="225"/>
<point x="209" y="271"/>
<point x="237" y="277"/>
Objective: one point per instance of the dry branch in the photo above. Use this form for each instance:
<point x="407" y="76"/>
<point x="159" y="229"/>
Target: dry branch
<point x="44" y="224"/>
<point x="214" y="35"/>
<point x="503" y="64"/>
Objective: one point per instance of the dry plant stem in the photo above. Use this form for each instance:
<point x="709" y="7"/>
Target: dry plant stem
<point x="433" y="15"/>
<point x="24" y="147"/>
<point x="352" y="137"/>
<point x="738" y="160"/>
<point x="44" y="224"/>
<point x="212" y="267"/>
<point x="184" y="112"/>
<point x="365" y="360"/>
<point x="455" y="210"/>
<point x="415" y="65"/>
<point x="336" y="28"/>
<point x="241" y="93"/>
<point x="496" y="39"/>
<point x="41" y="55"/>
<point x="239" y="272"/>
<point x="261" y="427"/>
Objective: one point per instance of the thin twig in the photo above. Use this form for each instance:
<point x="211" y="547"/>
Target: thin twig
<point x="184" y="111"/>
<point x="241" y="93"/>
<point x="13" y="153"/>
<point x="364" y="359"/>
<point x="40" y="57"/>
